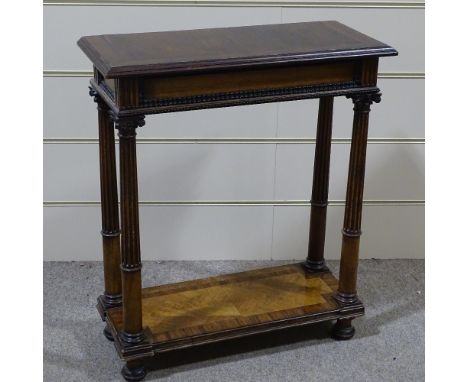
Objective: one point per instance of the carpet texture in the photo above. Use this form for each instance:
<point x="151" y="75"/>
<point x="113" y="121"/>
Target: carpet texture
<point x="388" y="345"/>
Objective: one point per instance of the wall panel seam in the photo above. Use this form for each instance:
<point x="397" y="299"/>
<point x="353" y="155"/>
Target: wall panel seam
<point x="206" y="203"/>
<point x="240" y="141"/>
<point x="240" y="3"/>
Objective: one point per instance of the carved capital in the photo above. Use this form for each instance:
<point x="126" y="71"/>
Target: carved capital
<point x="93" y="93"/>
<point x="127" y="125"/>
<point x="363" y="101"/>
<point x="101" y="105"/>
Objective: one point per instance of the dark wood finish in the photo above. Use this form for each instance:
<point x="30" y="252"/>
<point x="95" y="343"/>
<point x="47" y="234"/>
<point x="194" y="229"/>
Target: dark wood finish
<point x="110" y="232"/>
<point x="343" y="330"/>
<point x="132" y="330"/>
<point x="354" y="196"/>
<point x="175" y="71"/>
<point x="120" y="55"/>
<point x="150" y="73"/>
<point x="246" y="80"/>
<point x="207" y="310"/>
<point x="368" y="72"/>
<point x="134" y="371"/>
<point x="214" y="100"/>
<point x="319" y="201"/>
<point x="107" y="332"/>
<point x="127" y="92"/>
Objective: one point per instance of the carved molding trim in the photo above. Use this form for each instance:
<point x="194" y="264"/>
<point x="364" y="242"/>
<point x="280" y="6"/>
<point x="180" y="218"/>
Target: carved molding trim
<point x="131" y="267"/>
<point x="101" y="104"/>
<point x="128" y="124"/>
<point x="110" y="233"/>
<point x="363" y="101"/>
<point x="350" y="232"/>
<point x="93" y="93"/>
<point x="245" y="95"/>
<point x="110" y="301"/>
<point x="346" y="298"/>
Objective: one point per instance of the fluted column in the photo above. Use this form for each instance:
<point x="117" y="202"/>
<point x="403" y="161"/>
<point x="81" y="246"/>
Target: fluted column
<point x="354" y="195"/>
<point x="319" y="201"/>
<point x="109" y="207"/>
<point x="130" y="238"/>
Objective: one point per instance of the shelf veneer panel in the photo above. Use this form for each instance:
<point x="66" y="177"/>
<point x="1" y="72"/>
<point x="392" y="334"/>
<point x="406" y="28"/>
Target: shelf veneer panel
<point x="242" y="303"/>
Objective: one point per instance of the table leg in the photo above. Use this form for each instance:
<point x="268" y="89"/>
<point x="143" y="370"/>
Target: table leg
<point x="134" y="370"/>
<point x="319" y="201"/>
<point x="132" y="332"/>
<point x="353" y="210"/>
<point x="109" y="212"/>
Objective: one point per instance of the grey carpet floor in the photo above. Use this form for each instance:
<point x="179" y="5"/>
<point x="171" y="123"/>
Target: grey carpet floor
<point x="388" y="345"/>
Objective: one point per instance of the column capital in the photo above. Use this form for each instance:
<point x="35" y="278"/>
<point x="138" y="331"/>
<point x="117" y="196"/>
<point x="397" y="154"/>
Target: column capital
<point x="93" y="93"/>
<point x="363" y="101"/>
<point x="101" y="105"/>
<point x="128" y="124"/>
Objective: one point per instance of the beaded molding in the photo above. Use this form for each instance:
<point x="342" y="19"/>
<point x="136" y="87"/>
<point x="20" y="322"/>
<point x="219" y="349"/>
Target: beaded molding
<point x="240" y="95"/>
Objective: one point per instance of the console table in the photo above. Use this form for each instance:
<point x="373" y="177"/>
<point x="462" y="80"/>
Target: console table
<point x="161" y="72"/>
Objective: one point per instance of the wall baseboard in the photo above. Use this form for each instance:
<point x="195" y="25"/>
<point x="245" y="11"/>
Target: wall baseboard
<point x="242" y="3"/>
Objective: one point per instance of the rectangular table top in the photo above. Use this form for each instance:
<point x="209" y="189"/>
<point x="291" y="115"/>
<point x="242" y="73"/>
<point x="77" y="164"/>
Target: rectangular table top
<point x="120" y="55"/>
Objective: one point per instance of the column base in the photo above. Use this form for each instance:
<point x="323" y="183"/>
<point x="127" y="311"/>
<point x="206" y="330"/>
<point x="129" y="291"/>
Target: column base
<point x="346" y="298"/>
<point x="315" y="265"/>
<point x="132" y="339"/>
<point x="111" y="301"/>
<point x="105" y="302"/>
<point x="343" y="330"/>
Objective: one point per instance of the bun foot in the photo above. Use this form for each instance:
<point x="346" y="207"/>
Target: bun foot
<point x="134" y="371"/>
<point x="343" y="330"/>
<point x="108" y="334"/>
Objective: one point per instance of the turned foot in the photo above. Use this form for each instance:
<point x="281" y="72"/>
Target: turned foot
<point x="134" y="371"/>
<point x="108" y="334"/>
<point x="343" y="330"/>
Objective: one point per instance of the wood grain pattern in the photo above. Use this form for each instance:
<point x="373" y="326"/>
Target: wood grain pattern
<point x="130" y="237"/>
<point x="232" y="302"/>
<point x="354" y="195"/>
<point x="140" y="74"/>
<point x="222" y="48"/>
<point x="369" y="69"/>
<point x="319" y="201"/>
<point x="110" y="232"/>
<point x="245" y="80"/>
<point x="151" y="73"/>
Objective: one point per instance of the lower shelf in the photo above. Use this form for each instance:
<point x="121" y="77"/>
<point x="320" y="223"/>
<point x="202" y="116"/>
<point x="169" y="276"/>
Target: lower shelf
<point x="228" y="306"/>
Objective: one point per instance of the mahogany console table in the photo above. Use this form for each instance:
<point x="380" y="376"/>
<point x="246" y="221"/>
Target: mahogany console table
<point x="150" y="73"/>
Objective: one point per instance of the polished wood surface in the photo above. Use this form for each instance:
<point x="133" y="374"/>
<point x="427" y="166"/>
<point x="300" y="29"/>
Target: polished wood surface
<point x="110" y="232"/>
<point x="225" y="304"/>
<point x="162" y="72"/>
<point x="149" y="73"/>
<point x="320" y="182"/>
<point x="109" y="207"/>
<point x="245" y="80"/>
<point x="354" y="196"/>
<point x="131" y="332"/>
<point x="139" y="54"/>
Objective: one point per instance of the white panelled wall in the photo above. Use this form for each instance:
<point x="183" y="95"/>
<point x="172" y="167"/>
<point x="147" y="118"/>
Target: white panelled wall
<point x="233" y="183"/>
